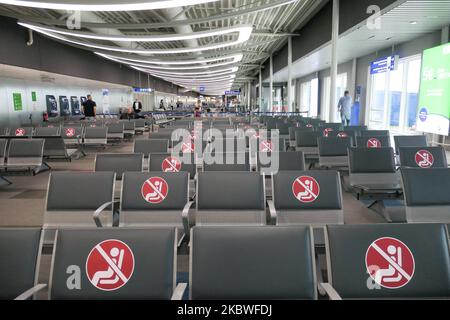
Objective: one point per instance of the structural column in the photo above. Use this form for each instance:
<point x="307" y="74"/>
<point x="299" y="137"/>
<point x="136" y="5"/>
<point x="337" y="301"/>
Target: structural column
<point x="260" y="89"/>
<point x="334" y="59"/>
<point x="290" y="94"/>
<point x="249" y="95"/>
<point x="271" y="85"/>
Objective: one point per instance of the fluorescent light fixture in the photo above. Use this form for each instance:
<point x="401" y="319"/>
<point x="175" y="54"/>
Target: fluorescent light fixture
<point x="221" y="71"/>
<point x="96" y="5"/>
<point x="235" y="58"/>
<point x="244" y="34"/>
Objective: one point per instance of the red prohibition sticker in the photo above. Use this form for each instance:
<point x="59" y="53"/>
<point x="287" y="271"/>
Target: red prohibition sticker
<point x="342" y="135"/>
<point x="390" y="263"/>
<point x="306" y="189"/>
<point x="265" y="146"/>
<point x="110" y="265"/>
<point x="171" y="164"/>
<point x="309" y="125"/>
<point x="424" y="159"/>
<point x="373" y="143"/>
<point x="154" y="190"/>
<point x="187" y="147"/>
<point x="327" y="131"/>
<point x="69" y="132"/>
<point x="20" y="132"/>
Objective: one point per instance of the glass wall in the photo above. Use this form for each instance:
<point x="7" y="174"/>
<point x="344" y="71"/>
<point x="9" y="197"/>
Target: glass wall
<point x="394" y="96"/>
<point x="329" y="111"/>
<point x="309" y="94"/>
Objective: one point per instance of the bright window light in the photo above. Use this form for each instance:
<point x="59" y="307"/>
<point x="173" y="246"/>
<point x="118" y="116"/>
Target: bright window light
<point x="244" y="34"/>
<point x="95" y="6"/>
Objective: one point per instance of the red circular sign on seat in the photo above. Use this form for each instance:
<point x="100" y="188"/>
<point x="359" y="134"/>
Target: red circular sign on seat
<point x="171" y="164"/>
<point x="265" y="146"/>
<point x="327" y="131"/>
<point x="342" y="135"/>
<point x="306" y="189"/>
<point x="154" y="190"/>
<point x="373" y="143"/>
<point x="110" y="265"/>
<point x="20" y="132"/>
<point x="424" y="159"/>
<point x="309" y="125"/>
<point x="69" y="132"/>
<point x="390" y="263"/>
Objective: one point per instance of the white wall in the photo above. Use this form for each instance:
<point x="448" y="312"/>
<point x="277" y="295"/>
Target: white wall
<point x="118" y="98"/>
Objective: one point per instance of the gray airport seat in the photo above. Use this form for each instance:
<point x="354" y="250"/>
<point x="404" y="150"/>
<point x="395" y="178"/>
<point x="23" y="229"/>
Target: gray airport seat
<point x="333" y="152"/>
<point x="326" y="128"/>
<point x="149" y="146"/>
<point x="292" y="133"/>
<point x="116" y="131"/>
<point x="146" y="268"/>
<point x="78" y="199"/>
<point x="140" y="125"/>
<point x="409" y="141"/>
<point x="19" y="265"/>
<point x="226" y="146"/>
<point x="128" y="127"/>
<point x="95" y="136"/>
<point x="256" y="263"/>
<point x="361" y="264"/>
<point x="427" y="194"/>
<point x="307" y="142"/>
<point x="119" y="163"/>
<point x="344" y="134"/>
<point x="375" y="133"/>
<point x="47" y="131"/>
<point x="21" y="131"/>
<point x="287" y="161"/>
<point x="26" y="154"/>
<point x="292" y="203"/>
<point x="4" y="131"/>
<point x="56" y="148"/>
<point x="163" y="162"/>
<point x="423" y="157"/>
<point x="371" y="141"/>
<point x="167" y="207"/>
<point x="221" y="200"/>
<point x="72" y="134"/>
<point x="230" y="161"/>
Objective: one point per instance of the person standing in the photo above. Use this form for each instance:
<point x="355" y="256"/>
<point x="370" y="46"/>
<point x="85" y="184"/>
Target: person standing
<point x="89" y="108"/>
<point x="137" y="106"/>
<point x="345" y="108"/>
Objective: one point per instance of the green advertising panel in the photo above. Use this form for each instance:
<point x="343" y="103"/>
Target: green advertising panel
<point x="33" y="96"/>
<point x="434" y="101"/>
<point x="17" y="101"/>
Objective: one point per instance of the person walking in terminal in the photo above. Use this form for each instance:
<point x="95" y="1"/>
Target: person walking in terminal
<point x="345" y="108"/>
<point x="89" y="107"/>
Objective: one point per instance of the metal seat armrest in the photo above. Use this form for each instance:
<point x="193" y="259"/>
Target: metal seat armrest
<point x="272" y="211"/>
<point x="30" y="292"/>
<point x="330" y="291"/>
<point x="185" y="217"/>
<point x="99" y="210"/>
<point x="179" y="291"/>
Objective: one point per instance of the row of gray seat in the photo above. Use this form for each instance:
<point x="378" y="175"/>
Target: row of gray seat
<point x="231" y="263"/>
<point x="22" y="154"/>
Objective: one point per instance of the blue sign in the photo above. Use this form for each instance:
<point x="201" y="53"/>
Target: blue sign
<point x="202" y="89"/>
<point x="232" y="93"/>
<point x="383" y="65"/>
<point x="143" y="90"/>
<point x="423" y="114"/>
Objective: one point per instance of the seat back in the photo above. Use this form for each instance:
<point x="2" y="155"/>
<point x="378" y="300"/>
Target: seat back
<point x="374" y="261"/>
<point x="231" y="161"/>
<point x="72" y="198"/>
<point x="26" y="152"/>
<point x="307" y="138"/>
<point x="423" y="157"/>
<point x="146" y="267"/>
<point x="149" y="146"/>
<point x="427" y="194"/>
<point x="19" y="249"/>
<point x="21" y="131"/>
<point x="47" y="131"/>
<point x="168" y="162"/>
<point x="71" y="132"/>
<point x="55" y="147"/>
<point x="119" y="163"/>
<point x="95" y="135"/>
<point x="334" y="147"/>
<point x="410" y="141"/>
<point x="287" y="161"/>
<point x="293" y="130"/>
<point x="373" y="142"/>
<point x="3" y="144"/>
<point x="375" y="133"/>
<point x="268" y="263"/>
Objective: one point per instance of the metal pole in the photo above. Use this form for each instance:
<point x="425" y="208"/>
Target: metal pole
<point x="334" y="60"/>
<point x="249" y="100"/>
<point x="260" y="89"/>
<point x="271" y="85"/>
<point x="289" y="85"/>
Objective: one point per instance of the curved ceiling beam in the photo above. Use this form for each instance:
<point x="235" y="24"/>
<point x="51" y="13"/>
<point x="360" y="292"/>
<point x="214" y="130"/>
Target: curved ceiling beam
<point x="96" y="5"/>
<point x="244" y="34"/>
<point x="187" y="74"/>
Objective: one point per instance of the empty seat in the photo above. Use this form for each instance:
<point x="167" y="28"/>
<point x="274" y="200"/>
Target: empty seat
<point x="231" y="161"/>
<point x="128" y="127"/>
<point x="26" y="153"/>
<point x="228" y="145"/>
<point x="72" y="134"/>
<point x="292" y="133"/>
<point x="230" y="198"/>
<point x="252" y="263"/>
<point x="46" y="131"/>
<point x="326" y="128"/>
<point x="140" y="125"/>
<point x="344" y="134"/>
<point x="95" y="136"/>
<point x="19" y="249"/>
<point x="119" y="163"/>
<point x="156" y="199"/>
<point x="386" y="261"/>
<point x="116" y="131"/>
<point x="21" y="131"/>
<point x="372" y="142"/>
<point x="272" y="162"/>
<point x="427" y="194"/>
<point x="375" y="133"/>
<point x="149" y="146"/>
<point x="333" y="152"/>
<point x="77" y="199"/>
<point x="4" y="131"/>
<point x="409" y="141"/>
<point x="55" y="147"/>
<point x="307" y="142"/>
<point x="146" y="267"/>
<point x="168" y="162"/>
<point x="423" y="157"/>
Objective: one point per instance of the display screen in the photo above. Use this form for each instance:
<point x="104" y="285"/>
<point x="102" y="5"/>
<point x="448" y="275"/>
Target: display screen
<point x="434" y="102"/>
<point x="52" y="106"/>
<point x="75" y="104"/>
<point x="64" y="106"/>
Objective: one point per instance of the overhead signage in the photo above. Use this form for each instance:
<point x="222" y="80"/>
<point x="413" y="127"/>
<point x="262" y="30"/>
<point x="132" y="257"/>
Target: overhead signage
<point x="142" y="90"/>
<point x="385" y="64"/>
<point x="232" y="93"/>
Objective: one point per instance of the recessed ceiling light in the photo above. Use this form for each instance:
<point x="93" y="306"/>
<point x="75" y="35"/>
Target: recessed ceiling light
<point x="96" y="5"/>
<point x="413" y="22"/>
